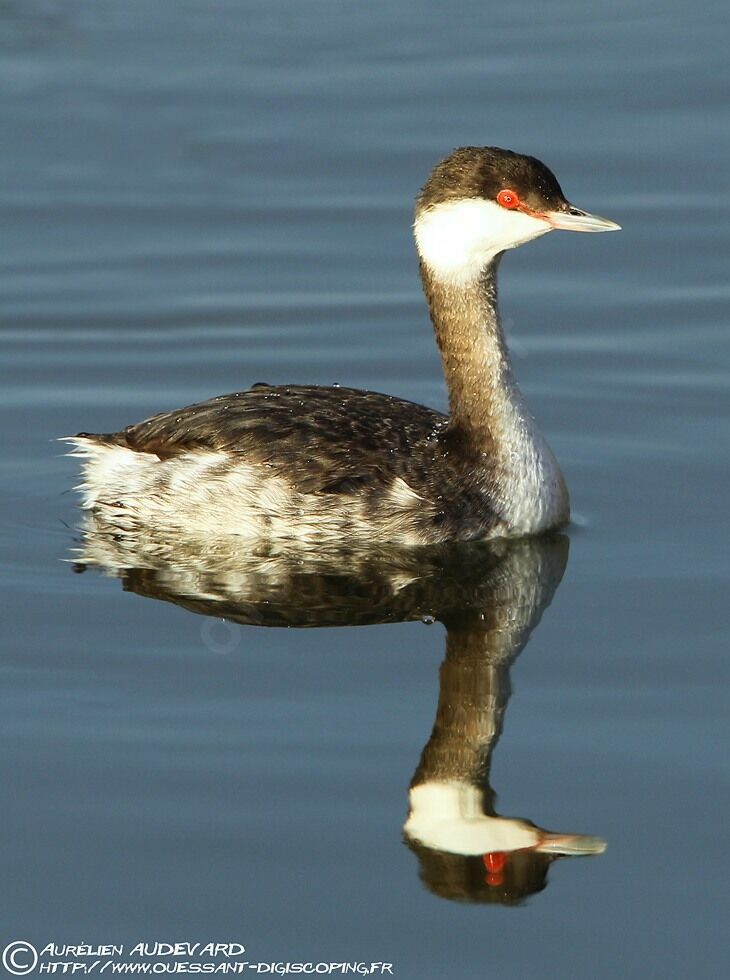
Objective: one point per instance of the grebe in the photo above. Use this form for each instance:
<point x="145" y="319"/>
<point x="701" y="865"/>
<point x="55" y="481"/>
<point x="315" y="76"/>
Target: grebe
<point x="322" y="464"/>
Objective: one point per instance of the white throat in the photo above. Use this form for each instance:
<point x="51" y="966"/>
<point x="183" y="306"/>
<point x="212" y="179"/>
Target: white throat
<point x="457" y="239"/>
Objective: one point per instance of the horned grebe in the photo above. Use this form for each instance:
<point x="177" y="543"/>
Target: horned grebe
<point x="317" y="463"/>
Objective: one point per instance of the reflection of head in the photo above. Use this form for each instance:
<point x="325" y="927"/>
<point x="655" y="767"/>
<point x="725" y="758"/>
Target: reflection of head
<point x="478" y="855"/>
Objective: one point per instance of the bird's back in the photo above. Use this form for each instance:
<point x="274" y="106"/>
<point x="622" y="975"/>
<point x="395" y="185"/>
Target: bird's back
<point x="297" y="460"/>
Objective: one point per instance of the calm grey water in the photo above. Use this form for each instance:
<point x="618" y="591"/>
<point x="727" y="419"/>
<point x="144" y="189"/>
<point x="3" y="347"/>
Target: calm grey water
<point x="201" y="194"/>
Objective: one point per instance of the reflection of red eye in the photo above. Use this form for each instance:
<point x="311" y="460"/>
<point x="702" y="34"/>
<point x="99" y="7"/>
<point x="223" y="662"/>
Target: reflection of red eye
<point x="508" y="199"/>
<point x="495" y="861"/>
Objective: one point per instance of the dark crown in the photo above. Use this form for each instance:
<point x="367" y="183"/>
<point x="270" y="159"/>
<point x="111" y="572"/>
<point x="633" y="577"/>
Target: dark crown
<point x="483" y="171"/>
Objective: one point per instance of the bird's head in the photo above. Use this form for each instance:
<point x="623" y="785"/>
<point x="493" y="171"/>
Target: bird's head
<point x="482" y="200"/>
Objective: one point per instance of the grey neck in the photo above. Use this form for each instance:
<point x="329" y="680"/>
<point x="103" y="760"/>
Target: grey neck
<point x="473" y="694"/>
<point x="486" y="406"/>
<point x="474" y="354"/>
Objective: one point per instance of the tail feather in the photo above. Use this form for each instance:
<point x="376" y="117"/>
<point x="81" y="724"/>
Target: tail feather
<point x="107" y="467"/>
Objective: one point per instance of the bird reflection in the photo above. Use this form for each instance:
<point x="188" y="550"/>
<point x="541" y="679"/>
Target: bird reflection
<point x="465" y="849"/>
<point x="489" y="596"/>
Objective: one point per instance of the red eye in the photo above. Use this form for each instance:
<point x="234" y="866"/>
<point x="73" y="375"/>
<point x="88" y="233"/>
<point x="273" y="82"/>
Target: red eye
<point x="508" y="199"/>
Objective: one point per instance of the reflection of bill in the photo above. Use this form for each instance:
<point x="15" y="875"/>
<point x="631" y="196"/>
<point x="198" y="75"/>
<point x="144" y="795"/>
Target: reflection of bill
<point x="489" y="596"/>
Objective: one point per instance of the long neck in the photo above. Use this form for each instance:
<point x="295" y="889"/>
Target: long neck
<point x="485" y="403"/>
<point x="473" y="693"/>
<point x="475" y="359"/>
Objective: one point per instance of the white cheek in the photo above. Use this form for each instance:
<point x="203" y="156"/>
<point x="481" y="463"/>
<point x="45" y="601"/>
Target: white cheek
<point x="457" y="239"/>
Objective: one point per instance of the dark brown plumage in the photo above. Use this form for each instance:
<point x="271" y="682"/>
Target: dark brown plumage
<point x="331" y="441"/>
<point x="483" y="171"/>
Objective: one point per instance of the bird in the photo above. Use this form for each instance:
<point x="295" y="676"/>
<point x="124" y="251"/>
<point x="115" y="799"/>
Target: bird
<point x="317" y="464"/>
